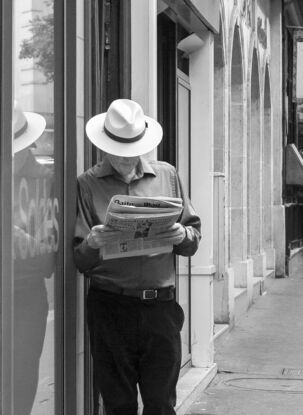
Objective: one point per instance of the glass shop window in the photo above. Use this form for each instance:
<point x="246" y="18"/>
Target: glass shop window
<point x="36" y="232"/>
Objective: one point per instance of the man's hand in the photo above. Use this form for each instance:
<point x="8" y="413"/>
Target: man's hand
<point x="101" y="235"/>
<point x="174" y="235"/>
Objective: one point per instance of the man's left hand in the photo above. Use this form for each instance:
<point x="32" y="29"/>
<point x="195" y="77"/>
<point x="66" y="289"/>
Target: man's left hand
<point x="174" y="235"/>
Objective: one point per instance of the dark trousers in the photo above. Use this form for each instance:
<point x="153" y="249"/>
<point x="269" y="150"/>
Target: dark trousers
<point x="135" y="342"/>
<point x="30" y="319"/>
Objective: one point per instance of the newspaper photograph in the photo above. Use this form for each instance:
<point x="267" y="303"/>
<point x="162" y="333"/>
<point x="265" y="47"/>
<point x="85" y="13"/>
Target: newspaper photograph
<point x="139" y="219"/>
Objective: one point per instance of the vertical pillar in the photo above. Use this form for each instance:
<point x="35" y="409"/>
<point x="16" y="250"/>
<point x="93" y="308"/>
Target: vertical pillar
<point x="267" y="216"/>
<point x="201" y="75"/>
<point x="254" y="169"/>
<point x="237" y="169"/>
<point x="276" y="70"/>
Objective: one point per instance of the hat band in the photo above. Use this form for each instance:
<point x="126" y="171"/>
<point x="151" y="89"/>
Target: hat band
<point x="123" y="140"/>
<point x="22" y="130"/>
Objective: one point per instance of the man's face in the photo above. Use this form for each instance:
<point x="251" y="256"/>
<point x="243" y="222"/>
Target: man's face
<point x="20" y="158"/>
<point x="123" y="165"/>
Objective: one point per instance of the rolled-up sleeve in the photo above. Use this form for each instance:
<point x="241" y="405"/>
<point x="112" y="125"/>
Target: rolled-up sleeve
<point x="85" y="257"/>
<point x="191" y="222"/>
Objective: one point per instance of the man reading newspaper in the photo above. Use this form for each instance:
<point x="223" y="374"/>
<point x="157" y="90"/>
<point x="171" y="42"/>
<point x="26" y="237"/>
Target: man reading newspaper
<point x="133" y="317"/>
<point x="140" y="220"/>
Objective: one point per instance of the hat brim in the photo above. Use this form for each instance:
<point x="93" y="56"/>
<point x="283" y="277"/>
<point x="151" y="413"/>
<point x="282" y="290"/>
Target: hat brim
<point x="35" y="126"/>
<point x="150" y="140"/>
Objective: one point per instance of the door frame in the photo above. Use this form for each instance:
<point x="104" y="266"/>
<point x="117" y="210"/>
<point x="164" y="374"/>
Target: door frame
<point x="183" y="80"/>
<point x="169" y="77"/>
<point x="107" y="76"/>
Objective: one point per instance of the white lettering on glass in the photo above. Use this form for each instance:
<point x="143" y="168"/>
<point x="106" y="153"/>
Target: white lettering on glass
<point x="38" y="231"/>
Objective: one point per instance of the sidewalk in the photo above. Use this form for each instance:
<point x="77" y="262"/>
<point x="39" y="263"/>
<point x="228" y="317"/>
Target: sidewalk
<point x="260" y="362"/>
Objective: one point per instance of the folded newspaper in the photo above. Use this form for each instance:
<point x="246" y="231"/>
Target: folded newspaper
<point x="139" y="219"/>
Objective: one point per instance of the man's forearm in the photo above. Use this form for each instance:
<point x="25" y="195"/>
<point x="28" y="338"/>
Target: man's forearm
<point x="85" y="256"/>
<point x="190" y="243"/>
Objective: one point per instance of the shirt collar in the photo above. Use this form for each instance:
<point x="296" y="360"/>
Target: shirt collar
<point x="146" y="167"/>
<point x="104" y="168"/>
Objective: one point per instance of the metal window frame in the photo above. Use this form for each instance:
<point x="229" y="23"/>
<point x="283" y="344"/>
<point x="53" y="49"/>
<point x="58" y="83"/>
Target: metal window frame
<point x="6" y="288"/>
<point x="66" y="123"/>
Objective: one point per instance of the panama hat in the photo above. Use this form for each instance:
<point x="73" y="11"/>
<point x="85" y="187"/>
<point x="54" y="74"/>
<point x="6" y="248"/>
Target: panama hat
<point x="124" y="130"/>
<point x="27" y="126"/>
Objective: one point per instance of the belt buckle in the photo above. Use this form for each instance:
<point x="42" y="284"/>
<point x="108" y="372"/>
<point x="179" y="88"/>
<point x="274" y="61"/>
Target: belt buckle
<point x="149" y="294"/>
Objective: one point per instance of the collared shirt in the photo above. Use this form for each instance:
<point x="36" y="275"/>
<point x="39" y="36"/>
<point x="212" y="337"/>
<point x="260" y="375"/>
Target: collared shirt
<point x="96" y="187"/>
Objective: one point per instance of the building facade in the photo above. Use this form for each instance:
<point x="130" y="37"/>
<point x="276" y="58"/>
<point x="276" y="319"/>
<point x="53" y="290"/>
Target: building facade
<point x="248" y="160"/>
<point x="212" y="73"/>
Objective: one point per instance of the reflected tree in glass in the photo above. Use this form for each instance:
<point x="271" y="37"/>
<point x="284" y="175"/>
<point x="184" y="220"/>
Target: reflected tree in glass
<point x="40" y="46"/>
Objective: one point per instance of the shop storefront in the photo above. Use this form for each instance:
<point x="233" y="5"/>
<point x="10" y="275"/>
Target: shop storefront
<point x="38" y="170"/>
<point x="207" y="71"/>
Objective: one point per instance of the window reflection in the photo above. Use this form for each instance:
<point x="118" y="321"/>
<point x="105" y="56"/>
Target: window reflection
<point x="300" y="127"/>
<point x="36" y="209"/>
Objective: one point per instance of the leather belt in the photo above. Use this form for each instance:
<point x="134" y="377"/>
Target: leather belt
<point x="158" y="294"/>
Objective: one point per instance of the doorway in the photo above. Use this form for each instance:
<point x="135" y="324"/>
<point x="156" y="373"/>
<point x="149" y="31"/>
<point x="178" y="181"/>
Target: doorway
<point x="174" y="114"/>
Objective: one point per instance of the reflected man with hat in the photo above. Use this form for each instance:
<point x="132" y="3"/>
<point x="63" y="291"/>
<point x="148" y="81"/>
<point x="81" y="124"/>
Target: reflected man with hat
<point x="33" y="259"/>
<point x="135" y="337"/>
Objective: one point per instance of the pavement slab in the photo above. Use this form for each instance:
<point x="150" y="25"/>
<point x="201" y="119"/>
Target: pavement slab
<point x="260" y="362"/>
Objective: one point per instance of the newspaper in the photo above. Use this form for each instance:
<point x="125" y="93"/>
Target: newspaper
<point x="139" y="219"/>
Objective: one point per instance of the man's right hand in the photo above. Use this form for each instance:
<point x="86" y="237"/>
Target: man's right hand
<point x="101" y="235"/>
